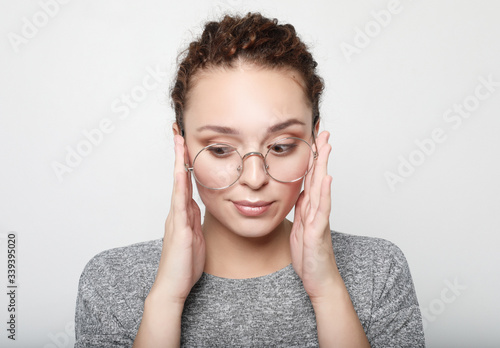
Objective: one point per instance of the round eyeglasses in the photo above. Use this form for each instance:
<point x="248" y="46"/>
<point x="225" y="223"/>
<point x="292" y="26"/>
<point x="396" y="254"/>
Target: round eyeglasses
<point x="218" y="166"/>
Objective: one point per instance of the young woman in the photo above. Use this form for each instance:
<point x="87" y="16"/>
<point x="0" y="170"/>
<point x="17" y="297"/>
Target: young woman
<point x="246" y="99"/>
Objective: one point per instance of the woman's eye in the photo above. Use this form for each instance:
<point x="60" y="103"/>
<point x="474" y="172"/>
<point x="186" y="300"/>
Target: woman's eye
<point x="278" y="148"/>
<point x="220" y="150"/>
<point x="282" y="149"/>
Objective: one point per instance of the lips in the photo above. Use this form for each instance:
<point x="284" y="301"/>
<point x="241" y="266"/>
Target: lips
<point x="248" y="208"/>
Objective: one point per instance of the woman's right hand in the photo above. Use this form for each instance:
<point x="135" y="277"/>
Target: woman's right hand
<point x="181" y="264"/>
<point x="183" y="254"/>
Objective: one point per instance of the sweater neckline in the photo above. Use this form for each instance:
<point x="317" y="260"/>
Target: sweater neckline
<point x="277" y="274"/>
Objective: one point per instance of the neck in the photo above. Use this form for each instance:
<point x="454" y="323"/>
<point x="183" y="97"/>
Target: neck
<point x="230" y="255"/>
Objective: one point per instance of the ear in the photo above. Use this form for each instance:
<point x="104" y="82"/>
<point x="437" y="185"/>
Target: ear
<point x="316" y="129"/>
<point x="176" y="129"/>
<point x="315" y="136"/>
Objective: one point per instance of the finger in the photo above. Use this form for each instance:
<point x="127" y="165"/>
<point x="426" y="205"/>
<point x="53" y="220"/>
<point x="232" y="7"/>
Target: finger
<point x="197" y="218"/>
<point x="308" y="179"/>
<point x="302" y="206"/>
<point x="298" y="207"/>
<point x="179" y="152"/>
<point x="320" y="171"/>
<point x="318" y="145"/>
<point x="297" y="219"/>
<point x="189" y="192"/>
<point x="325" y="205"/>
<point x="180" y="180"/>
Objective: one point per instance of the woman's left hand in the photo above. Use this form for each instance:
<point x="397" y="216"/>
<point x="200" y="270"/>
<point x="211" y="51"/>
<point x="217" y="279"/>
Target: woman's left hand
<point x="310" y="239"/>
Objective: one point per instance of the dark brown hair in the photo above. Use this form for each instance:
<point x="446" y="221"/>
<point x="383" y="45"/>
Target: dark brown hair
<point x="254" y="39"/>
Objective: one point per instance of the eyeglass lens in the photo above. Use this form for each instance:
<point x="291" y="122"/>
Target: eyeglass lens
<point x="220" y="165"/>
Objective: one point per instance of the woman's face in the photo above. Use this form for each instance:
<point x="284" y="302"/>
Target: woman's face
<point x="250" y="108"/>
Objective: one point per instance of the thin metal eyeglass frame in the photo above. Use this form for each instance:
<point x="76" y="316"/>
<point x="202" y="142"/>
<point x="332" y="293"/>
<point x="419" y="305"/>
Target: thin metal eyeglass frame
<point x="253" y="153"/>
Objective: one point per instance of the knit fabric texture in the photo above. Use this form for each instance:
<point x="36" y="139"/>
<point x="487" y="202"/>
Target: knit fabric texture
<point x="269" y="311"/>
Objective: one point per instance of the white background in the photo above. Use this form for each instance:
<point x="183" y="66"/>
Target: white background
<point x="63" y="77"/>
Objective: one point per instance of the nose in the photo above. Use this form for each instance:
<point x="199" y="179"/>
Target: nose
<point x="254" y="174"/>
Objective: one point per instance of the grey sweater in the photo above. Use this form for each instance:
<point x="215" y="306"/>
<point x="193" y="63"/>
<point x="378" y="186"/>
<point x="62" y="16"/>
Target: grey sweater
<point x="268" y="311"/>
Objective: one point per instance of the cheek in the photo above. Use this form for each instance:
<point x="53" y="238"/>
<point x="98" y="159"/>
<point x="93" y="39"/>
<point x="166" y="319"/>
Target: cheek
<point x="291" y="194"/>
<point x="286" y="194"/>
<point x="208" y="196"/>
<point x="188" y="157"/>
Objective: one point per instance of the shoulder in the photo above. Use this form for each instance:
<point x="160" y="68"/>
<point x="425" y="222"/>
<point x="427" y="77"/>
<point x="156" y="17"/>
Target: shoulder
<point x="369" y="266"/>
<point x="128" y="259"/>
<point x="370" y="263"/>
<point x="112" y="289"/>
<point x="363" y="251"/>
<point x="345" y="241"/>
<point x="378" y="278"/>
<point x="125" y="269"/>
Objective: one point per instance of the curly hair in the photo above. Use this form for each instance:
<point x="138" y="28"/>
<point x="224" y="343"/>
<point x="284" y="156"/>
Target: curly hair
<point x="254" y="39"/>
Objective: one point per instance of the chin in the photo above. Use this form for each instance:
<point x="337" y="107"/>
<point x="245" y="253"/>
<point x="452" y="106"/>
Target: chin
<point x="253" y="230"/>
<point x="253" y="227"/>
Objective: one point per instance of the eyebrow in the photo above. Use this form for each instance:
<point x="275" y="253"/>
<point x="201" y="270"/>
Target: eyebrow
<point x="272" y="129"/>
<point x="218" y="129"/>
<point x="283" y="125"/>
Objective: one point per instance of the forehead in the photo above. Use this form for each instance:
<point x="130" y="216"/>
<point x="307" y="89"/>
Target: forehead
<point x="248" y="98"/>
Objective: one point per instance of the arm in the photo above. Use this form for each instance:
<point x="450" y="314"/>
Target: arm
<point x="181" y="263"/>
<point x="314" y="261"/>
<point x="337" y="322"/>
<point x="161" y="323"/>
